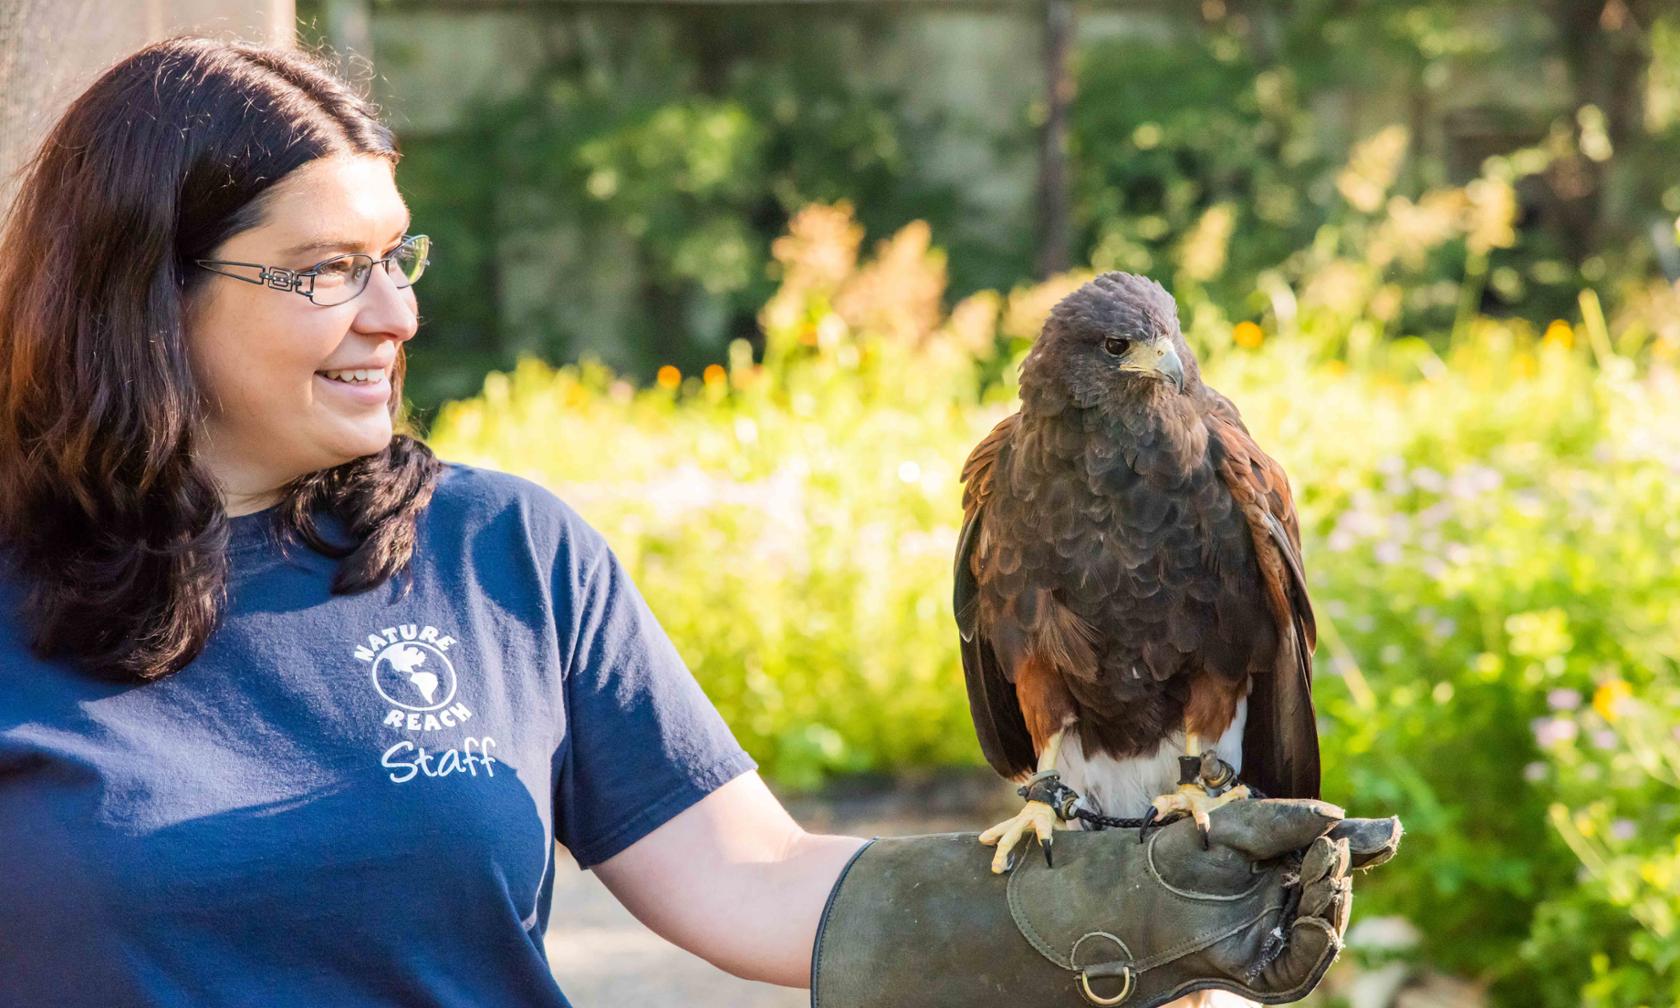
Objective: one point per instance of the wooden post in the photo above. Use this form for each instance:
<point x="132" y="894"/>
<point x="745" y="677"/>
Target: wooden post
<point x="50" y="50"/>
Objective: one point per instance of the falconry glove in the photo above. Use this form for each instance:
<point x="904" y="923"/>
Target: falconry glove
<point x="923" y="921"/>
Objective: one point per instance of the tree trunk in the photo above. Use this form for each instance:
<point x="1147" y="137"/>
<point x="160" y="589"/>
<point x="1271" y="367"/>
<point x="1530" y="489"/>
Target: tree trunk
<point x="1055" y="228"/>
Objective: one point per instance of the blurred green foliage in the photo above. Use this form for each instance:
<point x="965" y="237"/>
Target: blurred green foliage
<point x="1490" y="520"/>
<point x="655" y="153"/>
<point x="675" y="150"/>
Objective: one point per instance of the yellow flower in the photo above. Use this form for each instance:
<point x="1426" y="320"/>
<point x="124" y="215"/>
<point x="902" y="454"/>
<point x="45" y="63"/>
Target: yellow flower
<point x="1248" y="335"/>
<point x="713" y="374"/>
<point x="669" y="377"/>
<point x="1607" y="699"/>
<point x="1559" y="334"/>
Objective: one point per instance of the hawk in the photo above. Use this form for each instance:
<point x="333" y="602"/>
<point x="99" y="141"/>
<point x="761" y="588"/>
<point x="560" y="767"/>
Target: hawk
<point x="1129" y="587"/>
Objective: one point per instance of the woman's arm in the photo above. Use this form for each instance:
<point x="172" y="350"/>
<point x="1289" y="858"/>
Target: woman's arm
<point x="734" y="880"/>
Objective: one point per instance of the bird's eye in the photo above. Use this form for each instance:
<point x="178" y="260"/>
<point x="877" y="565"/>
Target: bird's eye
<point x="1116" y="346"/>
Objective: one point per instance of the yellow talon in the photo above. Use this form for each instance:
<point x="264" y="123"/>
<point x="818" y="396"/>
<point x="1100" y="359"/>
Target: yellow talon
<point x="1193" y="800"/>
<point x="1035" y="816"/>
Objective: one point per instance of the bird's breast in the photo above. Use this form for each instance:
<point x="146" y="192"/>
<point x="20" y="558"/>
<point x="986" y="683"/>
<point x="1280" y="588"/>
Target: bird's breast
<point x="1125" y="785"/>
<point x="1131" y="547"/>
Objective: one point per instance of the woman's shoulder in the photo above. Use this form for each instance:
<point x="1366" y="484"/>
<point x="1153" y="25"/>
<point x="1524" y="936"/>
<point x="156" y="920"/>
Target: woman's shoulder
<point x="472" y="500"/>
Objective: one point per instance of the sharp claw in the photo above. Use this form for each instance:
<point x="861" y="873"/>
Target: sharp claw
<point x="1048" y="861"/>
<point x="1203" y="830"/>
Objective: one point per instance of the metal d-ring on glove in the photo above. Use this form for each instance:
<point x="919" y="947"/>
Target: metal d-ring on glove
<point x="922" y="921"/>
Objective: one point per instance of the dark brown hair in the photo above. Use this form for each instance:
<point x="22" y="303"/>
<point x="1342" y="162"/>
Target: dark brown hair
<point x="115" y="527"/>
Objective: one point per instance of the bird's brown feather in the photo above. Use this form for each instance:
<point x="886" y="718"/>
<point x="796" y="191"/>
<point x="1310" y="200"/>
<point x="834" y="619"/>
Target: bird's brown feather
<point x="1280" y="751"/>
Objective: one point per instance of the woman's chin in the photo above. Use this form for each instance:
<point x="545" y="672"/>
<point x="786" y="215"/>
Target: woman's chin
<point x="363" y="440"/>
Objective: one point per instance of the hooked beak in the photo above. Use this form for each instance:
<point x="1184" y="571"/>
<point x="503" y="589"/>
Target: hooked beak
<point x="1168" y="366"/>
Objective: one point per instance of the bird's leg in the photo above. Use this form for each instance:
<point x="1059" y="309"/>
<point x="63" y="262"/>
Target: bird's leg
<point x="1038" y="816"/>
<point x="1205" y="782"/>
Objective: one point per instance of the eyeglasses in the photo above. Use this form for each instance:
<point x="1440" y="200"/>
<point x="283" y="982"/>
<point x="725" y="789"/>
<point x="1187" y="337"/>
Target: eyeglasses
<point x="336" y="280"/>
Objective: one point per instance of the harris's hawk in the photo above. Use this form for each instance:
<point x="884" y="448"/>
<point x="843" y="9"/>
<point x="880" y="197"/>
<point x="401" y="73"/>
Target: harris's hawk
<point x="1129" y="587"/>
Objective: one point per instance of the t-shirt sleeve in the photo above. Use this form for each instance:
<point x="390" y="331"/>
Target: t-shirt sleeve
<point x="642" y="741"/>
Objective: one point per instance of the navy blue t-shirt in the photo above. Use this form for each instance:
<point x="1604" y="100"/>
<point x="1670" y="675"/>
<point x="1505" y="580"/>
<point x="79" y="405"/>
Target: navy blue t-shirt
<point x="347" y="800"/>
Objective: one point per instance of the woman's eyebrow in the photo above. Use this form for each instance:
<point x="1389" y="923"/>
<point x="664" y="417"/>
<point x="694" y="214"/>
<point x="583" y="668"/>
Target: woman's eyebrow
<point x="337" y="245"/>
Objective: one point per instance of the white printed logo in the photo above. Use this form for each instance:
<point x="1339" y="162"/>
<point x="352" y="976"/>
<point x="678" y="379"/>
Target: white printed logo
<point x="415" y="676"/>
<point x="412" y="673"/>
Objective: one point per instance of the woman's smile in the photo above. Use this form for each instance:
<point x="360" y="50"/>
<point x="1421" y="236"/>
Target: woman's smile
<point x="351" y="386"/>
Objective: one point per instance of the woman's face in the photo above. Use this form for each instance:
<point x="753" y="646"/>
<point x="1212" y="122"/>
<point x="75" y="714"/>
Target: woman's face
<point x="260" y="355"/>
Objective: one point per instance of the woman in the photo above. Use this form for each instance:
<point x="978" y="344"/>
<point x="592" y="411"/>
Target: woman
<point x="289" y="709"/>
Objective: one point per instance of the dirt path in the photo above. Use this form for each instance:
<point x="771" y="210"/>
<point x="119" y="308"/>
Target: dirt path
<point x="603" y="958"/>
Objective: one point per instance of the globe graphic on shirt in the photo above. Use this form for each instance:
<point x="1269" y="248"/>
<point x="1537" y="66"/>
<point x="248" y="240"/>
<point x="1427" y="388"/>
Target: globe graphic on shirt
<point x="414" y="675"/>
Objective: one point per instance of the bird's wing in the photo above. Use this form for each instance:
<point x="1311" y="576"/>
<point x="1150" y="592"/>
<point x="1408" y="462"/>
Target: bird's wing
<point x="992" y="699"/>
<point x="1280" y="740"/>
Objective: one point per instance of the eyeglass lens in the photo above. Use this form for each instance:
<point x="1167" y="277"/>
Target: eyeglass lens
<point x="339" y="279"/>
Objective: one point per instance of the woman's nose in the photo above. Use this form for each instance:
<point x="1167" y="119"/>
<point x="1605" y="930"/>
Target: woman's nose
<point x="388" y="310"/>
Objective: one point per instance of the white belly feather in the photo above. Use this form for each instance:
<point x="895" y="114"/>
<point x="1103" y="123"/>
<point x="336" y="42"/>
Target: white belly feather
<point x="1125" y="787"/>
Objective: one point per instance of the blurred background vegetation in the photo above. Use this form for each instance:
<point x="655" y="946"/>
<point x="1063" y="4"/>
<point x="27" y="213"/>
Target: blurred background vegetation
<point x="745" y="283"/>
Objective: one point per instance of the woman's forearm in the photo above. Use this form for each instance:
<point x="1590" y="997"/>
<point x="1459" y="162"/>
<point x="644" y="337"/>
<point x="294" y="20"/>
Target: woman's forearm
<point x="777" y="932"/>
<point x="734" y="880"/>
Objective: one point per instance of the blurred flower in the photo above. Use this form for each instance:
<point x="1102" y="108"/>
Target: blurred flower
<point x="1563" y="699"/>
<point x="1027" y="308"/>
<point x="1610" y="697"/>
<point x="1247" y="335"/>
<point x="1411" y="230"/>
<point x="1493" y="211"/>
<point x="1435" y="514"/>
<point x="820" y="249"/>
<point x="1559" y="334"/>
<point x="973" y="323"/>
<point x="1428" y="479"/>
<point x="1604" y="738"/>
<point x="669" y="377"/>
<point x="713" y="374"/>
<point x="1534" y="772"/>
<point x="1201" y="256"/>
<point x="897" y="295"/>
<point x="1623" y="829"/>
<point x="1372" y="168"/>
<point x="1341" y="286"/>
<point x="1549" y="732"/>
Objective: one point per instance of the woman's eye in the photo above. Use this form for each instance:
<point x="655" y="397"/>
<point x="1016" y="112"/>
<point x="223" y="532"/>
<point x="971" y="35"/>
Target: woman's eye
<point x="1116" y="346"/>
<point x="337" y="271"/>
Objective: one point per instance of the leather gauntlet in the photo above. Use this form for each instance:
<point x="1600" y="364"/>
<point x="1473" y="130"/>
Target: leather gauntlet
<point x="923" y="921"/>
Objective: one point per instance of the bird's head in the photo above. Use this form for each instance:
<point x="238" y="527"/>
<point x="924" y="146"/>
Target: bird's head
<point x="1112" y="340"/>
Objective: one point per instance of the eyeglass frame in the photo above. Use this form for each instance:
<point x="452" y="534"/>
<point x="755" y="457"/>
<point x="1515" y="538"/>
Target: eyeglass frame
<point x="292" y="281"/>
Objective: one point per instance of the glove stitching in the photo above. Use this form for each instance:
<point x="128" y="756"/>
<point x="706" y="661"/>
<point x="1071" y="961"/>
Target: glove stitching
<point x="1149" y="859"/>
<point x="1197" y="943"/>
<point x="1023" y="924"/>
